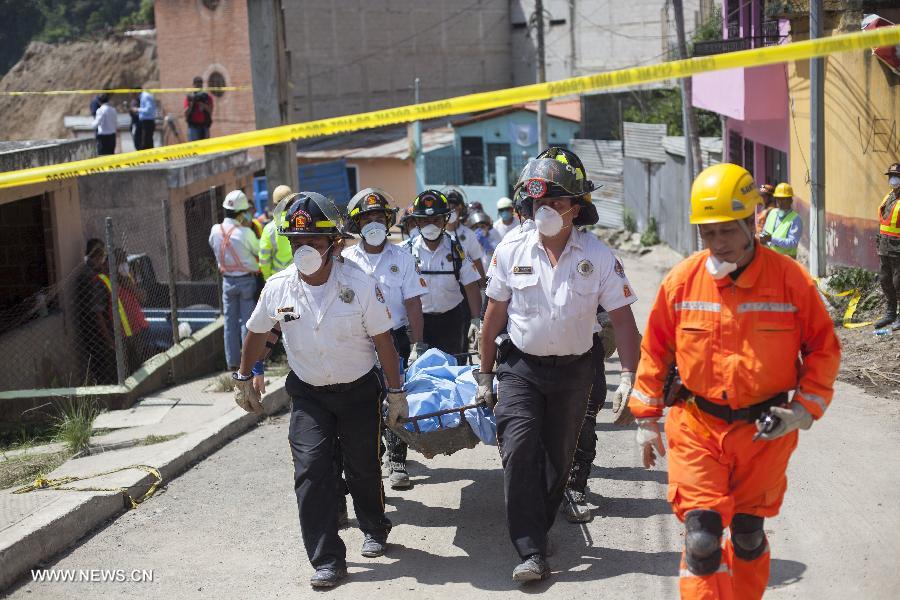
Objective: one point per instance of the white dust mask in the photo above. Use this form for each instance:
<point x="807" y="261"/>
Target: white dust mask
<point x="454" y="217"/>
<point x="894" y="181"/>
<point x="431" y="232"/>
<point x="719" y="268"/>
<point x="308" y="259"/>
<point x="548" y="221"/>
<point x="374" y="233"/>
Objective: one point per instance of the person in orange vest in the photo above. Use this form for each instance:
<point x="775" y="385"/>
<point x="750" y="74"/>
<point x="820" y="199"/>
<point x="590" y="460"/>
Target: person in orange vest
<point x="887" y="244"/>
<point x="733" y="331"/>
<point x="236" y="249"/>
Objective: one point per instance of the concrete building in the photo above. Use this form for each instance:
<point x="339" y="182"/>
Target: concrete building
<point x="41" y="243"/>
<point x="754" y="101"/>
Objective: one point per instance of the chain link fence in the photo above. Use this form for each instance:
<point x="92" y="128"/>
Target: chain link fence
<point x="157" y="263"/>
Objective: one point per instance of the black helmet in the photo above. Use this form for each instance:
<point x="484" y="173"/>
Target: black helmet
<point x="456" y="197"/>
<point x="308" y="214"/>
<point x="894" y="169"/>
<point x="370" y="200"/>
<point x="430" y="203"/>
<point x="556" y="173"/>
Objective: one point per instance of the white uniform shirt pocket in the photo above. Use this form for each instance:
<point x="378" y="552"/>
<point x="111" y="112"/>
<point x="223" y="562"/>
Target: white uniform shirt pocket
<point x="526" y="294"/>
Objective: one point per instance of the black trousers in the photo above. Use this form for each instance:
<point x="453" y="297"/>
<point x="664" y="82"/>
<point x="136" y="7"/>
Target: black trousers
<point x="889" y="277"/>
<point x="148" y="126"/>
<point x="539" y="416"/>
<point x="319" y="418"/>
<point x="106" y="144"/>
<point x="443" y="330"/>
<point x="587" y="439"/>
<point x="397" y="448"/>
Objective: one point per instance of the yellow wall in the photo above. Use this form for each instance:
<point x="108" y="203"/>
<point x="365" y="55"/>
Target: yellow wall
<point x="862" y="138"/>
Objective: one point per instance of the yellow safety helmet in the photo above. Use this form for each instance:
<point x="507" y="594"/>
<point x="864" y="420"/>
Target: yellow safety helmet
<point x="783" y="190"/>
<point x="723" y="192"/>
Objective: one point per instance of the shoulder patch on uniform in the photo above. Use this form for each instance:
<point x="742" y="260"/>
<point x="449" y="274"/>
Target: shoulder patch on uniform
<point x="626" y="291"/>
<point x="525" y="270"/>
<point x="494" y="260"/>
<point x="347" y="295"/>
<point x="422" y="282"/>
<point x="620" y="268"/>
<point x="585" y="267"/>
<point x="395" y="269"/>
<point x="379" y="295"/>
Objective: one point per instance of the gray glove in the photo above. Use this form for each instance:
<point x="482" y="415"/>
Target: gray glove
<point x="415" y="351"/>
<point x="485" y="392"/>
<point x="607" y="334"/>
<point x="474" y="336"/>
<point x="791" y="417"/>
<point x="621" y="412"/>
<point x="398" y="408"/>
<point x="247" y="397"/>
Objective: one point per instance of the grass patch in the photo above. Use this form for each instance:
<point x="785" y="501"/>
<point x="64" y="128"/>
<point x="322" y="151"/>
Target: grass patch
<point x="650" y="237"/>
<point x="24" y="469"/>
<point x="854" y="278"/>
<point x="629" y="221"/>
<point x="26" y="436"/>
<point x="223" y="383"/>
<point x="75" y="423"/>
<point x="157" y="439"/>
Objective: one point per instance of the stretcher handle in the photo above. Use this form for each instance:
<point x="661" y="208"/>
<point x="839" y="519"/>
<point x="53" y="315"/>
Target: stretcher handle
<point x="415" y="420"/>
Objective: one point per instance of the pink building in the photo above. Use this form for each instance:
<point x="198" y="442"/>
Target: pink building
<point x="755" y="101"/>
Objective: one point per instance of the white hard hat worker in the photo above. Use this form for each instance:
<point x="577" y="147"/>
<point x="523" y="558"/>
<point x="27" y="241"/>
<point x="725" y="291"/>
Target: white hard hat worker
<point x="236" y="200"/>
<point x="504" y="203"/>
<point x="279" y="194"/>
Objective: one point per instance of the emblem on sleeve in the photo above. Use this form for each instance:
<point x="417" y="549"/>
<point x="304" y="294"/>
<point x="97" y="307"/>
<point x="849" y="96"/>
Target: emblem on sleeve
<point x="395" y="269"/>
<point x="347" y="295"/>
<point x="379" y="295"/>
<point x="620" y="269"/>
<point x="626" y="291"/>
<point x="585" y="267"/>
<point x="526" y="270"/>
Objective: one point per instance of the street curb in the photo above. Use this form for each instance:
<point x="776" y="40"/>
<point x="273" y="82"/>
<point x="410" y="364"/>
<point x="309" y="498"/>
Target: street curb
<point x="56" y="527"/>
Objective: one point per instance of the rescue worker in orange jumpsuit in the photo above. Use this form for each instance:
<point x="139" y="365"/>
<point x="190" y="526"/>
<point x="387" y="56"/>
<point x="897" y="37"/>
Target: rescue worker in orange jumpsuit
<point x="733" y="330"/>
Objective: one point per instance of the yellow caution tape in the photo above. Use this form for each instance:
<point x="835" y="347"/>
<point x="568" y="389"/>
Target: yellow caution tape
<point x="855" y="296"/>
<point x="233" y="88"/>
<point x="42" y="483"/>
<point x="884" y="36"/>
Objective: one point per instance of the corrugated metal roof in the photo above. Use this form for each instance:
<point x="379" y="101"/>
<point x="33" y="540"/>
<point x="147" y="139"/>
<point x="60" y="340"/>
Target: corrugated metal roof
<point x="710" y="148"/>
<point x="644" y="141"/>
<point x="390" y="142"/>
<point x="603" y="161"/>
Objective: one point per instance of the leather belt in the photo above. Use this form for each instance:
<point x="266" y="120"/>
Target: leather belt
<point x="749" y="413"/>
<point x="550" y="361"/>
<point x="339" y="387"/>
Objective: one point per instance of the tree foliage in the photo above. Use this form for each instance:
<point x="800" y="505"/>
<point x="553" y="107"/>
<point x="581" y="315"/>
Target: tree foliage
<point x="664" y="106"/>
<point x="65" y="20"/>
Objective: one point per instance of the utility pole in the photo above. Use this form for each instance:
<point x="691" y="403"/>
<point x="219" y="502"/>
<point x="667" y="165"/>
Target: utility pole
<point x="817" y="261"/>
<point x="692" y="158"/>
<point x="419" y="157"/>
<point x="541" y="74"/>
<point x="271" y="97"/>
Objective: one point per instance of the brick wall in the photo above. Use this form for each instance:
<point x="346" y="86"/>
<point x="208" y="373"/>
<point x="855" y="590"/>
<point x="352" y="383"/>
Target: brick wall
<point x="193" y="40"/>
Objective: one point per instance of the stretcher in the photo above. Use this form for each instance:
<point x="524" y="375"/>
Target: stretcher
<point x="443" y="440"/>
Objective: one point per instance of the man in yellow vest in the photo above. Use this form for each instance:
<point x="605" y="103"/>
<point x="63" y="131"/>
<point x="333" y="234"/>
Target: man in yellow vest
<point x="783" y="226"/>
<point x="274" y="250"/>
<point x="887" y="244"/>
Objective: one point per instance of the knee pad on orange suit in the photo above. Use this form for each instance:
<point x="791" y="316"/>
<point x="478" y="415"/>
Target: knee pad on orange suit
<point x="748" y="536"/>
<point x="703" y="541"/>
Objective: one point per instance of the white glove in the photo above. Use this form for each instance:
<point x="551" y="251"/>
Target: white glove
<point x="648" y="436"/>
<point x="415" y="351"/>
<point x="485" y="392"/>
<point x="475" y="331"/>
<point x="398" y="408"/>
<point x="791" y="417"/>
<point x="247" y="397"/>
<point x="621" y="412"/>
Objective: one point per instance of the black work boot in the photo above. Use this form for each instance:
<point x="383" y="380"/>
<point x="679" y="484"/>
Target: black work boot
<point x="533" y="568"/>
<point x="888" y="319"/>
<point x="326" y="577"/>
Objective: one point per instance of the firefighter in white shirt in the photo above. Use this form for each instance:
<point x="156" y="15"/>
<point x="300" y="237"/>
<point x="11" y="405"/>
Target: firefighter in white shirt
<point x="371" y="216"/>
<point x="506" y="220"/>
<point x="456" y="227"/>
<point x="236" y="249"/>
<point x="453" y="302"/>
<point x="548" y="286"/>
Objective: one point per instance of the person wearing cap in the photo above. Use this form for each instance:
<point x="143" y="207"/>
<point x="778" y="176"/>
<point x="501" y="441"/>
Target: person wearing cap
<point x="371" y="216"/>
<point x="741" y="349"/>
<point x="453" y="301"/>
<point x="456" y="227"/>
<point x="887" y="244"/>
<point x="783" y="227"/>
<point x="335" y="324"/>
<point x="506" y="220"/>
<point x="274" y="250"/>
<point x="236" y="249"/>
<point x="768" y="204"/>
<point x="547" y="286"/>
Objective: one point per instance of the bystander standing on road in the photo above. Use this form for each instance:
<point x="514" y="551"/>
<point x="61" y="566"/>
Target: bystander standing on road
<point x="106" y="124"/>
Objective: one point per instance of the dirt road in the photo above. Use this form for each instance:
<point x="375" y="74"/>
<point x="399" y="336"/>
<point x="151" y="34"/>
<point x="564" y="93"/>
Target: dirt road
<point x="228" y="528"/>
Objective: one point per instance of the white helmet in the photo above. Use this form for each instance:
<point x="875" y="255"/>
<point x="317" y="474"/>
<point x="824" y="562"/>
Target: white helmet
<point x="236" y="200"/>
<point x="504" y="203"/>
